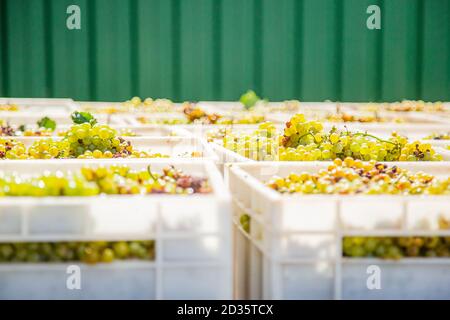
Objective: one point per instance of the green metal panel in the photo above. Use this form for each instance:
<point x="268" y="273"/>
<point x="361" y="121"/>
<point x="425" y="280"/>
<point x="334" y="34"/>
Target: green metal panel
<point x="3" y="54"/>
<point x="197" y="28"/>
<point x="361" y="69"/>
<point x="154" y="68"/>
<point x="25" y="45"/>
<point x="436" y="50"/>
<point x="69" y="53"/>
<point x="238" y="49"/>
<point x="113" y="50"/>
<point x="278" y="49"/>
<point x="401" y="46"/>
<point x="217" y="49"/>
<point x="320" y="49"/>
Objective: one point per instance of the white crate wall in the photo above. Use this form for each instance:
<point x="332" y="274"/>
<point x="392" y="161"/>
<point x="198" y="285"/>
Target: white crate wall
<point x="409" y="118"/>
<point x="150" y="130"/>
<point x="293" y="250"/>
<point x="41" y="105"/>
<point x="61" y="118"/>
<point x="192" y="234"/>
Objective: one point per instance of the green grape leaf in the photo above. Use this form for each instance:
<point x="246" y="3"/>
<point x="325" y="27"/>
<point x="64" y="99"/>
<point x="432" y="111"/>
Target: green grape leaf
<point x="22" y="128"/>
<point x="249" y="99"/>
<point x="82" y="117"/>
<point x="47" y="123"/>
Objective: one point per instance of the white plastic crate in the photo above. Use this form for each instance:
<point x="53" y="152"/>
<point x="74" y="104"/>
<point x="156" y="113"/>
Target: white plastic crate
<point x="294" y="248"/>
<point x="408" y="118"/>
<point x="97" y="107"/>
<point x="228" y="156"/>
<point x="192" y="238"/>
<point x="41" y="105"/>
<point x="173" y="146"/>
<point x="156" y="130"/>
<point x="61" y="118"/>
<point x="132" y="118"/>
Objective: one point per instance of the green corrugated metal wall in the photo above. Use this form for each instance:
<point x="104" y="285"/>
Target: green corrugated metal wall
<point x="216" y="49"/>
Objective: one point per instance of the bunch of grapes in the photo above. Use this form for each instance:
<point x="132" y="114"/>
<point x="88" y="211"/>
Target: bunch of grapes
<point x="7" y="130"/>
<point x="303" y="140"/>
<point x="416" y="106"/>
<point x="345" y="117"/>
<point x="11" y="149"/>
<point x="126" y="132"/>
<point x="307" y="141"/>
<point x="148" y="104"/>
<point x="44" y="128"/>
<point x="438" y="136"/>
<point x="49" y="149"/>
<point x="87" y="252"/>
<point x="262" y="144"/>
<point x="9" y="107"/>
<point x="243" y="119"/>
<point x="166" y="121"/>
<point x="102" y="180"/>
<point x="396" y="247"/>
<point x="101" y="139"/>
<point x="356" y="177"/>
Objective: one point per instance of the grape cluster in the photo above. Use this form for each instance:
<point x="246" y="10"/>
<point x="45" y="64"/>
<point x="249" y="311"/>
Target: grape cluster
<point x="417" y="106"/>
<point x="9" y="107"/>
<point x="262" y="144"/>
<point x="82" y="141"/>
<point x="44" y="128"/>
<point x="148" y="104"/>
<point x="356" y="177"/>
<point x="100" y="139"/>
<point x="396" y="247"/>
<point x="167" y="121"/>
<point x="9" y="131"/>
<point x="345" y="117"/>
<point x="195" y="115"/>
<point x="48" y="149"/>
<point x="86" y="252"/>
<point x="306" y="140"/>
<point x="438" y="136"/>
<point x="116" y="179"/>
<point x="11" y="149"/>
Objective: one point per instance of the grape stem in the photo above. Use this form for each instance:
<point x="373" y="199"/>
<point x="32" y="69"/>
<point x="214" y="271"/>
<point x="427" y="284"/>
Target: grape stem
<point x="365" y="134"/>
<point x="150" y="172"/>
<point x="306" y="134"/>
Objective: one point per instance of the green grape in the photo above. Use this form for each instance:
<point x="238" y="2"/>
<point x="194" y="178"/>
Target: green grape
<point x="87" y="252"/>
<point x="395" y="247"/>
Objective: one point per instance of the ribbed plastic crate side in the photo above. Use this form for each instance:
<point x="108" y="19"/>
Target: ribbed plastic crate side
<point x="192" y="233"/>
<point x="409" y="278"/>
<point x="102" y="215"/>
<point x="257" y="241"/>
<point x="61" y="118"/>
<point x="129" y="280"/>
<point x="41" y="105"/>
<point x="227" y="156"/>
<point x="299" y="274"/>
